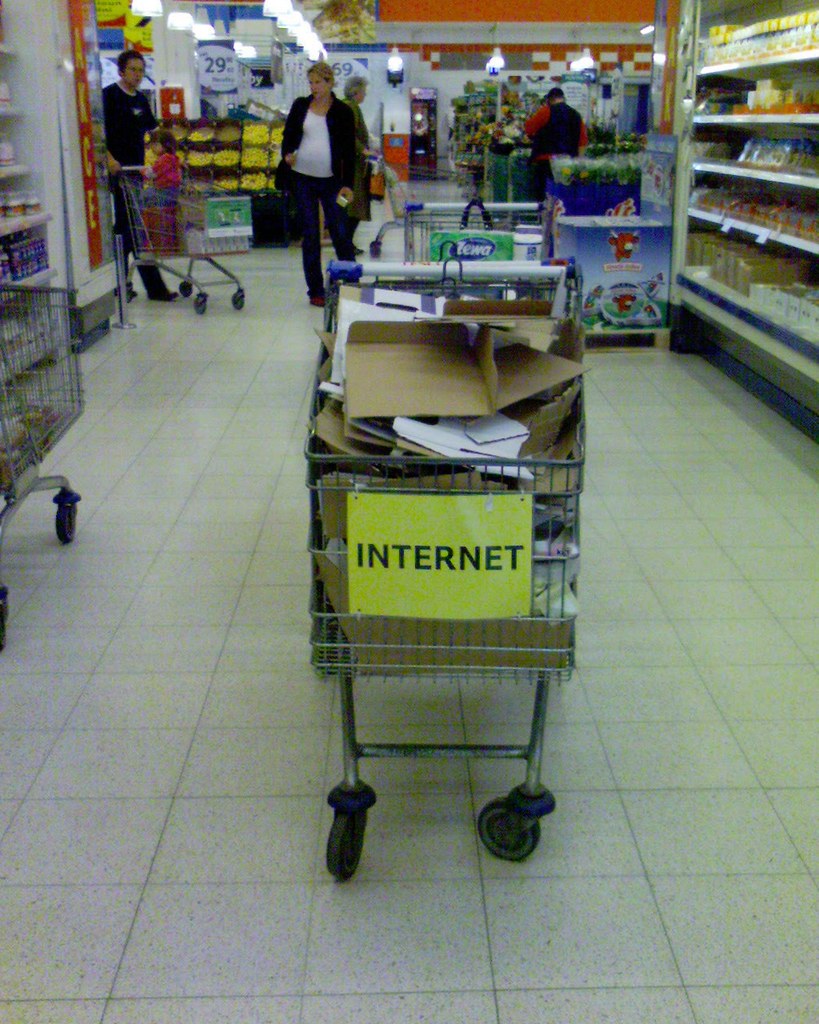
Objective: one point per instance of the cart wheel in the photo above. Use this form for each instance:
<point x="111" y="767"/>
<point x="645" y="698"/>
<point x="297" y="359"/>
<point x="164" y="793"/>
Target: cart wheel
<point x="375" y="249"/>
<point x="238" y="299"/>
<point x="200" y="303"/>
<point x="66" y="522"/>
<point x="345" y="842"/>
<point x="505" y="833"/>
<point x="185" y="289"/>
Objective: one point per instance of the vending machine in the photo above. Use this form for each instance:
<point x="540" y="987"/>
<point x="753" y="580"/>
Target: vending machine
<point x="423" y="154"/>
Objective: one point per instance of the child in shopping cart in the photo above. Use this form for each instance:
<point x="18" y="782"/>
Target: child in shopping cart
<point x="165" y="173"/>
<point x="159" y="200"/>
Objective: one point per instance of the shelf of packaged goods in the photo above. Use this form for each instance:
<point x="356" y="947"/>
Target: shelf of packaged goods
<point x="729" y="309"/>
<point x="762" y="232"/>
<point x="11" y="225"/>
<point x="748" y="68"/>
<point x="734" y="170"/>
<point x="757" y="119"/>
<point x="14" y="171"/>
<point x="41" y="277"/>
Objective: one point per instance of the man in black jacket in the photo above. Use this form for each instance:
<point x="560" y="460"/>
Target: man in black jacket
<point x="556" y="129"/>
<point x="128" y="116"/>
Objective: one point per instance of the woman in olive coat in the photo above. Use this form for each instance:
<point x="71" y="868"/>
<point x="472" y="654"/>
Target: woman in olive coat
<point x="355" y="89"/>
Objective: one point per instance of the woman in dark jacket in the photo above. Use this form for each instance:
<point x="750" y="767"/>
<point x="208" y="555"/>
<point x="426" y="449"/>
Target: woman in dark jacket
<point x="319" y="147"/>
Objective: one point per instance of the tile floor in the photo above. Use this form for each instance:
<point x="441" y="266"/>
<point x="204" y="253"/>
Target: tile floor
<point x="166" y="751"/>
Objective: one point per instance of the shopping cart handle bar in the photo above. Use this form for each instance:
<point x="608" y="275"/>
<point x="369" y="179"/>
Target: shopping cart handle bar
<point x="413" y="207"/>
<point x="344" y="270"/>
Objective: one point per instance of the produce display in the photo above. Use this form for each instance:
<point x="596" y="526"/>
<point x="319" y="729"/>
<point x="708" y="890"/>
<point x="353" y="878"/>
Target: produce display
<point x="230" y="155"/>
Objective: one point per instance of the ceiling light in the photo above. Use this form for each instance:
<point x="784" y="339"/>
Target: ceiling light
<point x="585" y="62"/>
<point x="276" y="8"/>
<point x="647" y="30"/>
<point x="202" y="27"/>
<point x="292" y="20"/>
<point x="180" y="21"/>
<point x="395" y="61"/>
<point x="147" y="8"/>
<point x="659" y="59"/>
<point x="496" y="63"/>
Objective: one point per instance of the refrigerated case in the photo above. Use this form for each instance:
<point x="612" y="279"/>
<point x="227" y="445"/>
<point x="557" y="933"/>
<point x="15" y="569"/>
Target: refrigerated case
<point x="423" y="154"/>
<point x="746" y="275"/>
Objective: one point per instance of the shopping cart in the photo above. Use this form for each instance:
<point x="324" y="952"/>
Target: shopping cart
<point x="431" y="228"/>
<point x="40" y="397"/>
<point x="394" y="632"/>
<point x="197" y="225"/>
<point x="555" y="281"/>
<point x="408" y="189"/>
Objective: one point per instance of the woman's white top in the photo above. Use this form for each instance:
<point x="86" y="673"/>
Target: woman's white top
<point x="313" y="154"/>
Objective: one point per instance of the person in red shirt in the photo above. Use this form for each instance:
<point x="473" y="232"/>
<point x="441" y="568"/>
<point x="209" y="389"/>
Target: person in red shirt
<point x="166" y="171"/>
<point x="556" y="129"/>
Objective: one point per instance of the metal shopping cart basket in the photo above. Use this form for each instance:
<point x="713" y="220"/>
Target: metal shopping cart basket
<point x="411" y="189"/>
<point x="555" y="281"/>
<point x="40" y="397"/>
<point x="433" y="230"/>
<point x="198" y="225"/>
<point x="399" y="590"/>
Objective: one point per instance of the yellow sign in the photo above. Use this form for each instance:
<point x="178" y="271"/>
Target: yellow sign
<point x="440" y="556"/>
<point x="139" y="33"/>
<point x="111" y="13"/>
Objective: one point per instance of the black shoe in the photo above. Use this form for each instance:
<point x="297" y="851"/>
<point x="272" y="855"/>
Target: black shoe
<point x="167" y="297"/>
<point x="357" y="251"/>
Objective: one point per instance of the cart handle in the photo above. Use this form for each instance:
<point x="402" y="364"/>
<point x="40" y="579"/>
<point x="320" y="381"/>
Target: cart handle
<point x="485" y="214"/>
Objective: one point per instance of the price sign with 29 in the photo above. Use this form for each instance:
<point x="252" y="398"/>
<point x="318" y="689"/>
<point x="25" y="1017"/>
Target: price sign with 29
<point x="218" y="68"/>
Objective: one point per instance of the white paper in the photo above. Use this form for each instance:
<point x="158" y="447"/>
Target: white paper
<point x="449" y="437"/>
<point x="495" y="428"/>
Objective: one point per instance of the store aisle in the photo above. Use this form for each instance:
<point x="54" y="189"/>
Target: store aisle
<point x="166" y="751"/>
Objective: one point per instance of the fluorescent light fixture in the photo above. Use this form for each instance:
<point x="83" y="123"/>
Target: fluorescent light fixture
<point x="275" y="8"/>
<point x="496" y="63"/>
<point x="585" y="62"/>
<point x="147" y="8"/>
<point x="395" y="61"/>
<point x="659" y="59"/>
<point x="202" y="27"/>
<point x="180" y="21"/>
<point x="291" y="21"/>
<point x="647" y="30"/>
<point x="304" y="33"/>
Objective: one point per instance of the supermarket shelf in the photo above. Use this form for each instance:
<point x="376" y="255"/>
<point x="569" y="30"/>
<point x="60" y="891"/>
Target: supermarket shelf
<point x="760" y="64"/>
<point x="757" y="119"/>
<point x="734" y="170"/>
<point x="41" y="277"/>
<point x="14" y="171"/>
<point x="730" y="309"/>
<point x="10" y="226"/>
<point x="763" y="234"/>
